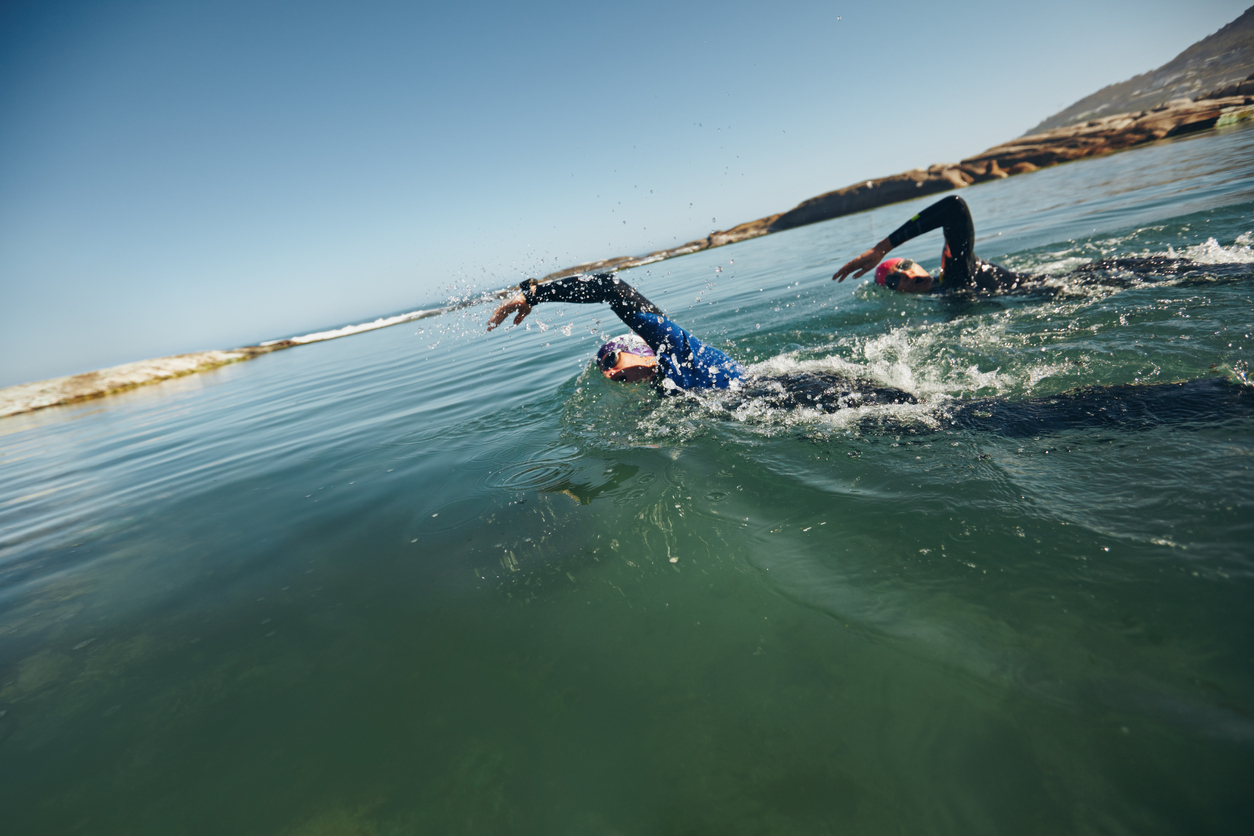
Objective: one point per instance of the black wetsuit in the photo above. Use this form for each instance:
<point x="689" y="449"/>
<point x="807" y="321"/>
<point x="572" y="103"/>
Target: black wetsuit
<point x="962" y="269"/>
<point x="1133" y="406"/>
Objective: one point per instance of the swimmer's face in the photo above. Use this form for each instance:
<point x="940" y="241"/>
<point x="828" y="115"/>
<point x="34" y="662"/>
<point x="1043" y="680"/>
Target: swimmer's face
<point x="629" y="368"/>
<point x="913" y="279"/>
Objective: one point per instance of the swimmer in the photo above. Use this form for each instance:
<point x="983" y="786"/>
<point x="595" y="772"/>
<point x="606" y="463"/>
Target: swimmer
<point x="661" y="352"/>
<point x="962" y="270"/>
<point x="658" y="350"/>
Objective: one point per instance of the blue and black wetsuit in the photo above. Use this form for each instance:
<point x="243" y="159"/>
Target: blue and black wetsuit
<point x="961" y="269"/>
<point x="684" y="361"/>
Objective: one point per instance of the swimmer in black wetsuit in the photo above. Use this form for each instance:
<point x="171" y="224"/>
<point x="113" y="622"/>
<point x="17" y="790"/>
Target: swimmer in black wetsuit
<point x="962" y="270"/>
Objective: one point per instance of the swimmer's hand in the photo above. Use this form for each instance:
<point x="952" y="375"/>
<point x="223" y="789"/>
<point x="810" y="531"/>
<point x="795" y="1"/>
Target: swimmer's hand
<point x="865" y="262"/>
<point x="516" y="304"/>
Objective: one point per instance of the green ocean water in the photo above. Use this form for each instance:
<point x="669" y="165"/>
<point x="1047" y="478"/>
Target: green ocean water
<point x="432" y="580"/>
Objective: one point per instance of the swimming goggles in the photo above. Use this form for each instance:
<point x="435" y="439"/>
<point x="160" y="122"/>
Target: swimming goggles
<point x="891" y="280"/>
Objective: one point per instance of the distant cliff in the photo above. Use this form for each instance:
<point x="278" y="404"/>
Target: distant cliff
<point x="1220" y="60"/>
<point x="1117" y="132"/>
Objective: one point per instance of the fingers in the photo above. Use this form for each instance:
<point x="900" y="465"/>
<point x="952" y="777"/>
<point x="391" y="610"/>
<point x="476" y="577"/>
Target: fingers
<point x="498" y="316"/>
<point x="844" y="272"/>
<point x="518" y="303"/>
<point x="858" y="267"/>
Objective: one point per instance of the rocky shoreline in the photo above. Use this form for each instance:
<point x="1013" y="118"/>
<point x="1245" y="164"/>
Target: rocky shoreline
<point x="1228" y="106"/>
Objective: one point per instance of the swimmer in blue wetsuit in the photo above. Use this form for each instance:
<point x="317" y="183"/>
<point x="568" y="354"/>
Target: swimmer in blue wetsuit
<point x="675" y="361"/>
<point x="659" y="350"/>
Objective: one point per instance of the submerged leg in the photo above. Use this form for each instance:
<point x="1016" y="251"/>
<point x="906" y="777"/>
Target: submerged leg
<point x="1130" y="407"/>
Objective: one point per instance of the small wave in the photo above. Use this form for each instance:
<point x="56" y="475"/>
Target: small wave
<point x="349" y="330"/>
<point x="1059" y="263"/>
<point x="1212" y="252"/>
<point x="1059" y="266"/>
<point x="762" y="417"/>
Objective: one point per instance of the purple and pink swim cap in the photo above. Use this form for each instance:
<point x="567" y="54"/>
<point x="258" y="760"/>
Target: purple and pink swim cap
<point x="630" y="343"/>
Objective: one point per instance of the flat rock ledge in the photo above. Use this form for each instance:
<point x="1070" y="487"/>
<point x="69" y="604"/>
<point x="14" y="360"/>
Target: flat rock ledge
<point x="1228" y="106"/>
<point x="84" y="387"/>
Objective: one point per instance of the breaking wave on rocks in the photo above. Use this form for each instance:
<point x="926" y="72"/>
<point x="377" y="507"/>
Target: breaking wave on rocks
<point x="349" y="330"/>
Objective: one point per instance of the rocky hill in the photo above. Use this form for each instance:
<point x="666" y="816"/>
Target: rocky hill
<point x="1213" y="63"/>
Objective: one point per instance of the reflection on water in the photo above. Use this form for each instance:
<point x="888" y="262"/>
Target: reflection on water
<point x="366" y="587"/>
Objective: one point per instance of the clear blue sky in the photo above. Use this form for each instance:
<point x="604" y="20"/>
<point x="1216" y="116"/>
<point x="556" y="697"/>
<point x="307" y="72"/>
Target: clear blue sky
<point x="179" y="176"/>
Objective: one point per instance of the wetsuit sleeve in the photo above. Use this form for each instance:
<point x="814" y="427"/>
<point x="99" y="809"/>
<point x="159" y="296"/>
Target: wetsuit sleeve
<point x="686" y="362"/>
<point x="952" y="215"/>
<point x="622" y="298"/>
<point x="959" y="265"/>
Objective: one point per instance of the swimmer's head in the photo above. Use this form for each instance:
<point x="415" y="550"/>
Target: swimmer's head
<point x="903" y="275"/>
<point x="627" y="358"/>
<point x="887" y="266"/>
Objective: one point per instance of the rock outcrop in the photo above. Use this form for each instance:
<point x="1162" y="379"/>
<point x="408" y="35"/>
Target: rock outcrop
<point x="717" y="238"/>
<point x="1124" y="130"/>
<point x="871" y="194"/>
<point x="1027" y="154"/>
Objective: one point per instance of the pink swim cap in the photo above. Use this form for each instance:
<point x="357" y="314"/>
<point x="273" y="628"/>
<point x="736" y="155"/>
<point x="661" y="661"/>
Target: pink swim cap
<point x="886" y="267"/>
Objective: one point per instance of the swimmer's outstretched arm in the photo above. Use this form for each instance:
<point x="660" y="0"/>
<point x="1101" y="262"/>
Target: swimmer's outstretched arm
<point x="622" y="298"/>
<point x="950" y="213"/>
<point x="865" y="262"/>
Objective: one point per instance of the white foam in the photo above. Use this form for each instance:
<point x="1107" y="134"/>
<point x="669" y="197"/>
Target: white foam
<point x="349" y="330"/>
<point x="1212" y="252"/>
